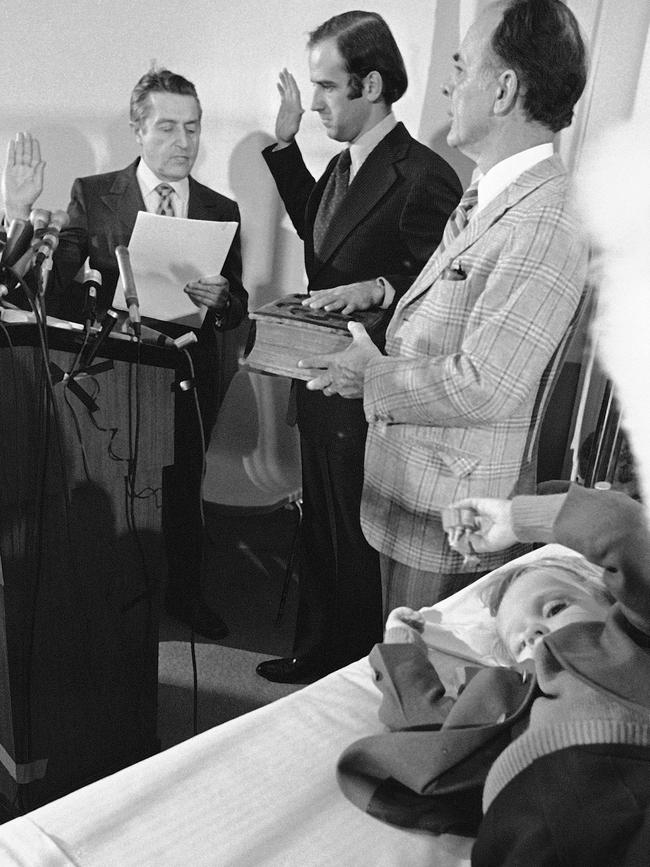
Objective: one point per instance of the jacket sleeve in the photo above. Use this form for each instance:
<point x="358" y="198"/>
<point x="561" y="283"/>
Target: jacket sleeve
<point x="609" y="528"/>
<point x="71" y="253"/>
<point x="293" y="180"/>
<point x="232" y="271"/>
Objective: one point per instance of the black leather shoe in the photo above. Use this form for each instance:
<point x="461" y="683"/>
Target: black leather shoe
<point x="299" y="669"/>
<point x="195" y="613"/>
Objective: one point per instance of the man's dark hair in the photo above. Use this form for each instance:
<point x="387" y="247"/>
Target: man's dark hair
<point x="541" y="41"/>
<point x="366" y="44"/>
<point x="158" y="81"/>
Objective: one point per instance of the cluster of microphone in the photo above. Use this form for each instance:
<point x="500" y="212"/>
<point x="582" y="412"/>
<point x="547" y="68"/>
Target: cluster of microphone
<point x="30" y="245"/>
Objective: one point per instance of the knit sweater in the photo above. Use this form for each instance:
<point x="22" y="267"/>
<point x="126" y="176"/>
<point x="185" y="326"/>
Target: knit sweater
<point x="602" y="698"/>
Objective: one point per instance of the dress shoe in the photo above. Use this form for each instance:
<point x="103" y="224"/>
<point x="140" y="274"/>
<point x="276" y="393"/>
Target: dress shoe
<point x="195" y="613"/>
<point x="299" y="669"/>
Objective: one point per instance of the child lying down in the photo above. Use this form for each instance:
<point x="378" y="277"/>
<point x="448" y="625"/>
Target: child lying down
<point x="546" y="759"/>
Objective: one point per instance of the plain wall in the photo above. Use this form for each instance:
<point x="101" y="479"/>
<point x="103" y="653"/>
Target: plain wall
<point x="69" y="68"/>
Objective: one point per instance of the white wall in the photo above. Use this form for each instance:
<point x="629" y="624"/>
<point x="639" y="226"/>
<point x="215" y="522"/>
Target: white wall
<point x="69" y="67"/>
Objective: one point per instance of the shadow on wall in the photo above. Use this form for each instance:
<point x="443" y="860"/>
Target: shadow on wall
<point x="273" y="255"/>
<point x="434" y="123"/>
<point x="266" y="247"/>
<point x="253" y="460"/>
<point x="67" y="151"/>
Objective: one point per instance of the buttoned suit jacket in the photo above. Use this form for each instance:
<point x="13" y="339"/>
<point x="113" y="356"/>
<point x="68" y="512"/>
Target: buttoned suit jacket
<point x="454" y="405"/>
<point x="103" y="209"/>
<point x="392" y="219"/>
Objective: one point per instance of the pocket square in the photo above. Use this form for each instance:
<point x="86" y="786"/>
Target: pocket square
<point x="454" y="273"/>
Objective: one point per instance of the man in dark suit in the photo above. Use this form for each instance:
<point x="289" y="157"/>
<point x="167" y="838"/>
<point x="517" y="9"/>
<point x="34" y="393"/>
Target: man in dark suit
<point x="166" y="119"/>
<point x="369" y="220"/>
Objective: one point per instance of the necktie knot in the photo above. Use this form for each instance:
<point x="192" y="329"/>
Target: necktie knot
<point x="165" y="193"/>
<point x="469" y="200"/>
<point x="460" y="217"/>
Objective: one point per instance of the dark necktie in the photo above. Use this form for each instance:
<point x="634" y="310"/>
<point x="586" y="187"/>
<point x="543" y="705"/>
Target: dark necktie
<point x="460" y="217"/>
<point x="333" y="194"/>
<point x="165" y="193"/>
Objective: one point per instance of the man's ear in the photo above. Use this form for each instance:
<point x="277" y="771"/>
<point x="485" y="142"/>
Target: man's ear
<point x="507" y="91"/>
<point x="373" y="86"/>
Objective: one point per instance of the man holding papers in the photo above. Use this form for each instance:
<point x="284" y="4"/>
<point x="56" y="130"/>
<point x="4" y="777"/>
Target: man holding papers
<point x="166" y="119"/>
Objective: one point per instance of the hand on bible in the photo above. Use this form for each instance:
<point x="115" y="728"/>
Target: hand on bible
<point x="348" y="298"/>
<point x="343" y="372"/>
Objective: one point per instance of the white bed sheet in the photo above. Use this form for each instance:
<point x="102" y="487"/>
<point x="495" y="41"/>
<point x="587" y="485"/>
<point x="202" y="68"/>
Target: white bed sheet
<point x="258" y="790"/>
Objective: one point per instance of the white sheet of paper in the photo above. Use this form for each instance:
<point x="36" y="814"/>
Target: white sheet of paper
<point x="167" y="253"/>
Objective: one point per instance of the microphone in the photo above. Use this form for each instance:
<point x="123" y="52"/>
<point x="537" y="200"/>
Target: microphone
<point x="40" y="220"/>
<point x="92" y="284"/>
<point x="107" y="326"/>
<point x="157" y="338"/>
<point x="19" y="238"/>
<point x="50" y="240"/>
<point x="128" y="282"/>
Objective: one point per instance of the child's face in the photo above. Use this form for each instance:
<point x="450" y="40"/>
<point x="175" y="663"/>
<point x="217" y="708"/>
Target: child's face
<point x="539" y="602"/>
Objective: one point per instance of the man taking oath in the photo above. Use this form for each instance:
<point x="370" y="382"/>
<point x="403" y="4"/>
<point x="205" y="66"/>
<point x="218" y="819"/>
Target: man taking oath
<point x="369" y="222"/>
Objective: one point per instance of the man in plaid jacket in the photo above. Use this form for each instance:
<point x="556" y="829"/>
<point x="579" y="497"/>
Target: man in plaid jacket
<point x="454" y="404"/>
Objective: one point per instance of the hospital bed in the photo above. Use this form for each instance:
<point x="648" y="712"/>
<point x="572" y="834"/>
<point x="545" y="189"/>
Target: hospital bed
<point x="260" y="789"/>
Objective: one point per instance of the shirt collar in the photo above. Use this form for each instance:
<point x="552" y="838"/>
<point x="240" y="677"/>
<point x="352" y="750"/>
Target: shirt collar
<point x="363" y="147"/>
<point x="504" y="173"/>
<point x="149" y="181"/>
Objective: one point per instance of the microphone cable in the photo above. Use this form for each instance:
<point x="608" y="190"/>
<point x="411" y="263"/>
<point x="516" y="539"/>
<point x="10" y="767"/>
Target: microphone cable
<point x="48" y="415"/>
<point x="199" y="421"/>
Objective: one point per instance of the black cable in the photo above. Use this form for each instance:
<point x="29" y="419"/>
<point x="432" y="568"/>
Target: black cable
<point x="199" y="421"/>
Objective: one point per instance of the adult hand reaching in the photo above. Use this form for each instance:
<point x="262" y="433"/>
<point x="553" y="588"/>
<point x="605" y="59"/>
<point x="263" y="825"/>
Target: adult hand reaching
<point x="492" y="520"/>
<point x="22" y="176"/>
<point x="290" y="112"/>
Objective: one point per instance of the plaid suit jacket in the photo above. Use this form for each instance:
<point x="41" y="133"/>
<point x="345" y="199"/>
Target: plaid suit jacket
<point x="452" y="404"/>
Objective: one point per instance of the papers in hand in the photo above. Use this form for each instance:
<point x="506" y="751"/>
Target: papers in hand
<point x="167" y="253"/>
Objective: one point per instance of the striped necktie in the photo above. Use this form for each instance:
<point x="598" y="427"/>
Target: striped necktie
<point x="333" y="195"/>
<point x="460" y="217"/>
<point x="165" y="193"/>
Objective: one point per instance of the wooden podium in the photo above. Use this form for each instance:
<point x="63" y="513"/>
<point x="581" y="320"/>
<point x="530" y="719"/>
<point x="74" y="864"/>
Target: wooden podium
<point x="83" y="564"/>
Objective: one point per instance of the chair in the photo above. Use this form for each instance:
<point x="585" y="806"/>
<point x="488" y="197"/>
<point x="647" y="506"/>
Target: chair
<point x="253" y="461"/>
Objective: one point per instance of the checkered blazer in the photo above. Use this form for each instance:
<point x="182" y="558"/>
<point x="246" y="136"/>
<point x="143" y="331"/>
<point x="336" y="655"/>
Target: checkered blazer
<point x="453" y="404"/>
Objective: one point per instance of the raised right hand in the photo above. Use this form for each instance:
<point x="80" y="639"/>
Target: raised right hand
<point x="22" y="176"/>
<point x="290" y="112"/>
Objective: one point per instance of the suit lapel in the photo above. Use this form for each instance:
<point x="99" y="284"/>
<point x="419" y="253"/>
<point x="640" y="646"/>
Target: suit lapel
<point x="375" y="177"/>
<point x="125" y="199"/>
<point x="199" y="206"/>
<point x="513" y="193"/>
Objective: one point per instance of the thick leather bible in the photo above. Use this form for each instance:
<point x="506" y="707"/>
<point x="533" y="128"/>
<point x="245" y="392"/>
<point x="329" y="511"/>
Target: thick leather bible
<point x="286" y="332"/>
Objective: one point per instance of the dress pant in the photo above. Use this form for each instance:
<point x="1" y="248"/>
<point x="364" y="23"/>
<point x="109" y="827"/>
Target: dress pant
<point x="339" y="600"/>
<point x="418" y="588"/>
